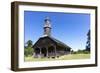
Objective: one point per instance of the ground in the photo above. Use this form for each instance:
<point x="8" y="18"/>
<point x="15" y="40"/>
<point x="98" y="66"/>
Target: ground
<point x="65" y="57"/>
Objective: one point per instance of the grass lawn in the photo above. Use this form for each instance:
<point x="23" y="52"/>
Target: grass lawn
<point x="65" y="57"/>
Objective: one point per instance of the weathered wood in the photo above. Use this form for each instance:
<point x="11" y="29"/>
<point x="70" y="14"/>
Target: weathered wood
<point x="47" y="51"/>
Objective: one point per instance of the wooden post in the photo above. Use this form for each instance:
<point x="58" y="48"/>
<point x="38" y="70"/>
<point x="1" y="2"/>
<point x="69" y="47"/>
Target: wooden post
<point x="40" y="52"/>
<point x="55" y="50"/>
<point x="47" y="51"/>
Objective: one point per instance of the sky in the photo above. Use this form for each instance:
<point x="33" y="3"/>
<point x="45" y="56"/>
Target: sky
<point x="70" y="28"/>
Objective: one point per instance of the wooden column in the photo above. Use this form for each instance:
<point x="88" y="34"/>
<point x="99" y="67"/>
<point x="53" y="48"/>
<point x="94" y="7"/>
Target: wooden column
<point x="55" y="50"/>
<point x="35" y="54"/>
<point x="40" y="52"/>
<point x="47" y="51"/>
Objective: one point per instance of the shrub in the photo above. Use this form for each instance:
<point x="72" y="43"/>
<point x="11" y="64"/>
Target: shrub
<point x="80" y="52"/>
<point x="28" y="51"/>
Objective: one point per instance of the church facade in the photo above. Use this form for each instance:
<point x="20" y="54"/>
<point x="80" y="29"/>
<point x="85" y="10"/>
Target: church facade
<point x="48" y="46"/>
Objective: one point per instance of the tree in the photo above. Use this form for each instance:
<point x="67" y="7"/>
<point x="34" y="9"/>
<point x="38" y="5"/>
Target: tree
<point x="28" y="51"/>
<point x="88" y="41"/>
<point x="29" y="43"/>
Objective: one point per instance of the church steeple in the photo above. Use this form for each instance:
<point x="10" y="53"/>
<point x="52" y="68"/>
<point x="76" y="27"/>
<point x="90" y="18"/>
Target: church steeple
<point x="47" y="26"/>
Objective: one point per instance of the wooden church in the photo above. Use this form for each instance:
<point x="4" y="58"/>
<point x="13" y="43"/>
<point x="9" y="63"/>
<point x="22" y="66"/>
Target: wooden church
<point x="48" y="46"/>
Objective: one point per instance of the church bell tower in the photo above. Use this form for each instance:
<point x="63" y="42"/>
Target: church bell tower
<point x="47" y="26"/>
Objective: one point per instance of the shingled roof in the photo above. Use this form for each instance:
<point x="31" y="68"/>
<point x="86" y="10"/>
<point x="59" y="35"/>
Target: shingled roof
<point x="58" y="42"/>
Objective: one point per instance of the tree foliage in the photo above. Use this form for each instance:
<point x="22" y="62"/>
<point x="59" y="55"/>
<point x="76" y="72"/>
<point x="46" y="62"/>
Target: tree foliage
<point x="80" y="52"/>
<point x="28" y="50"/>
<point x="88" y="41"/>
<point x="29" y="43"/>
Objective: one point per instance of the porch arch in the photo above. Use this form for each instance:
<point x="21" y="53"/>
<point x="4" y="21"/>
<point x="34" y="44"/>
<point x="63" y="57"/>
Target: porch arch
<point x="44" y="51"/>
<point x="37" y="50"/>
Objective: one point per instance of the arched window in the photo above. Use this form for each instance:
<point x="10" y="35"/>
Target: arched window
<point x="37" y="50"/>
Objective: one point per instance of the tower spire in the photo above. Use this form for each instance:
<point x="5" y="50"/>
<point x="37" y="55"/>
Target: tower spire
<point x="47" y="26"/>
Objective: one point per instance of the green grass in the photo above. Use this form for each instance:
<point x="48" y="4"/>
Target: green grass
<point x="65" y="57"/>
